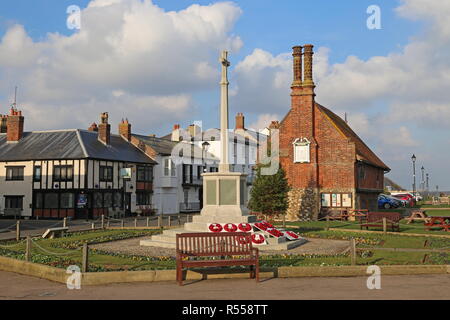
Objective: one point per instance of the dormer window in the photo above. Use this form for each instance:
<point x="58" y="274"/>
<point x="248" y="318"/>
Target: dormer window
<point x="302" y="152"/>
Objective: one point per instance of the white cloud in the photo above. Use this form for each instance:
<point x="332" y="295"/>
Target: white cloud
<point x="262" y="82"/>
<point x="263" y="121"/>
<point x="140" y="58"/>
<point x="399" y="137"/>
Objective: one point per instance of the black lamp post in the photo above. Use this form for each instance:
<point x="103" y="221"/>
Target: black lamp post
<point x="413" y="158"/>
<point x="423" y="179"/>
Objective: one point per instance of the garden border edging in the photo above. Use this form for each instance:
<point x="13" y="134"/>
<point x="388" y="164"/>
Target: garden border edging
<point x="102" y="278"/>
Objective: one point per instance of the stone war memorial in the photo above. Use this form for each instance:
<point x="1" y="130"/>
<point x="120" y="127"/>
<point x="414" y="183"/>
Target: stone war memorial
<point x="224" y="198"/>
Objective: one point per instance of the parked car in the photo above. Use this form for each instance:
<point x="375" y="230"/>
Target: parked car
<point x="407" y="197"/>
<point x="418" y="197"/>
<point x="386" y="202"/>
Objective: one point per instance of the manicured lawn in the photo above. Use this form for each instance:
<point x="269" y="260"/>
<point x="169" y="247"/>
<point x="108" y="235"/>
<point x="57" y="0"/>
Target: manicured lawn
<point x="432" y="212"/>
<point x="415" y="227"/>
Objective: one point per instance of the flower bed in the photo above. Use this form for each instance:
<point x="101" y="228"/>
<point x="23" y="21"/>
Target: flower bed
<point x="68" y="242"/>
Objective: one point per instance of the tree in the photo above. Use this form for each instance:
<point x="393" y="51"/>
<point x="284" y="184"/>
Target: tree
<point x="269" y="193"/>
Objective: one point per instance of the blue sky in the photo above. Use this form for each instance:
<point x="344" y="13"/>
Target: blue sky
<point x="340" y="25"/>
<point x="273" y="27"/>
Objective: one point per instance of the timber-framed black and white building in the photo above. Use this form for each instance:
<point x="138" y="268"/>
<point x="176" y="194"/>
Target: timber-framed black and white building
<point x="72" y="173"/>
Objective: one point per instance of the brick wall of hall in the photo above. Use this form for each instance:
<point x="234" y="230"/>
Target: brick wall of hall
<point x="335" y="166"/>
<point x="336" y="156"/>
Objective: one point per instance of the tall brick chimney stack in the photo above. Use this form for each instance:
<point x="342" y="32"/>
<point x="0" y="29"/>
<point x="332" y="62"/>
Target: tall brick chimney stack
<point x="240" y="121"/>
<point x="308" y="96"/>
<point x="14" y="124"/>
<point x="104" y="129"/>
<point x="93" y="127"/>
<point x="303" y="111"/>
<point x="297" y="54"/>
<point x="3" y="120"/>
<point x="125" y="129"/>
<point x="308" y="81"/>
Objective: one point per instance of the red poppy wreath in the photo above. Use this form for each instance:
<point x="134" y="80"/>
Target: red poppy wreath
<point x="230" y="227"/>
<point x="245" y="227"/>
<point x="215" y="227"/>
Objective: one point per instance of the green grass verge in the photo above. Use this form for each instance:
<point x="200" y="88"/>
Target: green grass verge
<point x="415" y="227"/>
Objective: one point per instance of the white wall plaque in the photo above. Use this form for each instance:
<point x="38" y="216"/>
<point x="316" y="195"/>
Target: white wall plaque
<point x="302" y="150"/>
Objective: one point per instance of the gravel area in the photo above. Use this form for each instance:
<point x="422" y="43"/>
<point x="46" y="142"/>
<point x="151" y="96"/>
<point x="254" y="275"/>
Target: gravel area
<point x="132" y="247"/>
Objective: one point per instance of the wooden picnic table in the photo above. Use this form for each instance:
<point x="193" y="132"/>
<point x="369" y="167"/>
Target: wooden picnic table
<point x="419" y="215"/>
<point x="441" y="222"/>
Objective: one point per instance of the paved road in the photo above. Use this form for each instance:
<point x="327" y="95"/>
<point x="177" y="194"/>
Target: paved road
<point x="14" y="286"/>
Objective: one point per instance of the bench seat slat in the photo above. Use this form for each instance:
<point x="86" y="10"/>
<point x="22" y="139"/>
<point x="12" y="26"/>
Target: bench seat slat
<point x="212" y="263"/>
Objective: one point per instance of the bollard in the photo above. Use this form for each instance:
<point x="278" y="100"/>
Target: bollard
<point x="107" y="224"/>
<point x="93" y="225"/>
<point x="135" y="223"/>
<point x="18" y="230"/>
<point x="64" y="222"/>
<point x="28" y="249"/>
<point x="148" y="222"/>
<point x="159" y="221"/>
<point x="169" y="222"/>
<point x="384" y="225"/>
<point x="179" y="219"/>
<point x="122" y="224"/>
<point x="103" y="221"/>
<point x="84" y="266"/>
<point x="353" y="251"/>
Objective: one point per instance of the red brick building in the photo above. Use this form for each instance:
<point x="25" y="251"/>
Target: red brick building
<point x="328" y="166"/>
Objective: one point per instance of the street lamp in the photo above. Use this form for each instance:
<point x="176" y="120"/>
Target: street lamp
<point x="205" y="148"/>
<point x="423" y="179"/>
<point x="413" y="158"/>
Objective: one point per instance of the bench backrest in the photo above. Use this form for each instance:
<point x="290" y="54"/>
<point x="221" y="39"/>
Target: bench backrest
<point x="378" y="216"/>
<point x="214" y="244"/>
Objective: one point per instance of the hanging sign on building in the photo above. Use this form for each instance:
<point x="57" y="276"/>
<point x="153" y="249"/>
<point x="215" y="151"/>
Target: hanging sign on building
<point x="125" y="173"/>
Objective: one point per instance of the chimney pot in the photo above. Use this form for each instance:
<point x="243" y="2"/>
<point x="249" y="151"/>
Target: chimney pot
<point x="104" y="129"/>
<point x="274" y="125"/>
<point x="14" y="126"/>
<point x="125" y="129"/>
<point x="240" y="121"/>
<point x="93" y="127"/>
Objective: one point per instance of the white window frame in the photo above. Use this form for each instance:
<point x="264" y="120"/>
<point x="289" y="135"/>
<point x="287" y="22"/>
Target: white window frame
<point x="171" y="168"/>
<point x="301" y="143"/>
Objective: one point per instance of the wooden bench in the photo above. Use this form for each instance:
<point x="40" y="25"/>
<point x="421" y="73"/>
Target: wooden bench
<point x="375" y="219"/>
<point x="231" y="249"/>
<point x="54" y="232"/>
